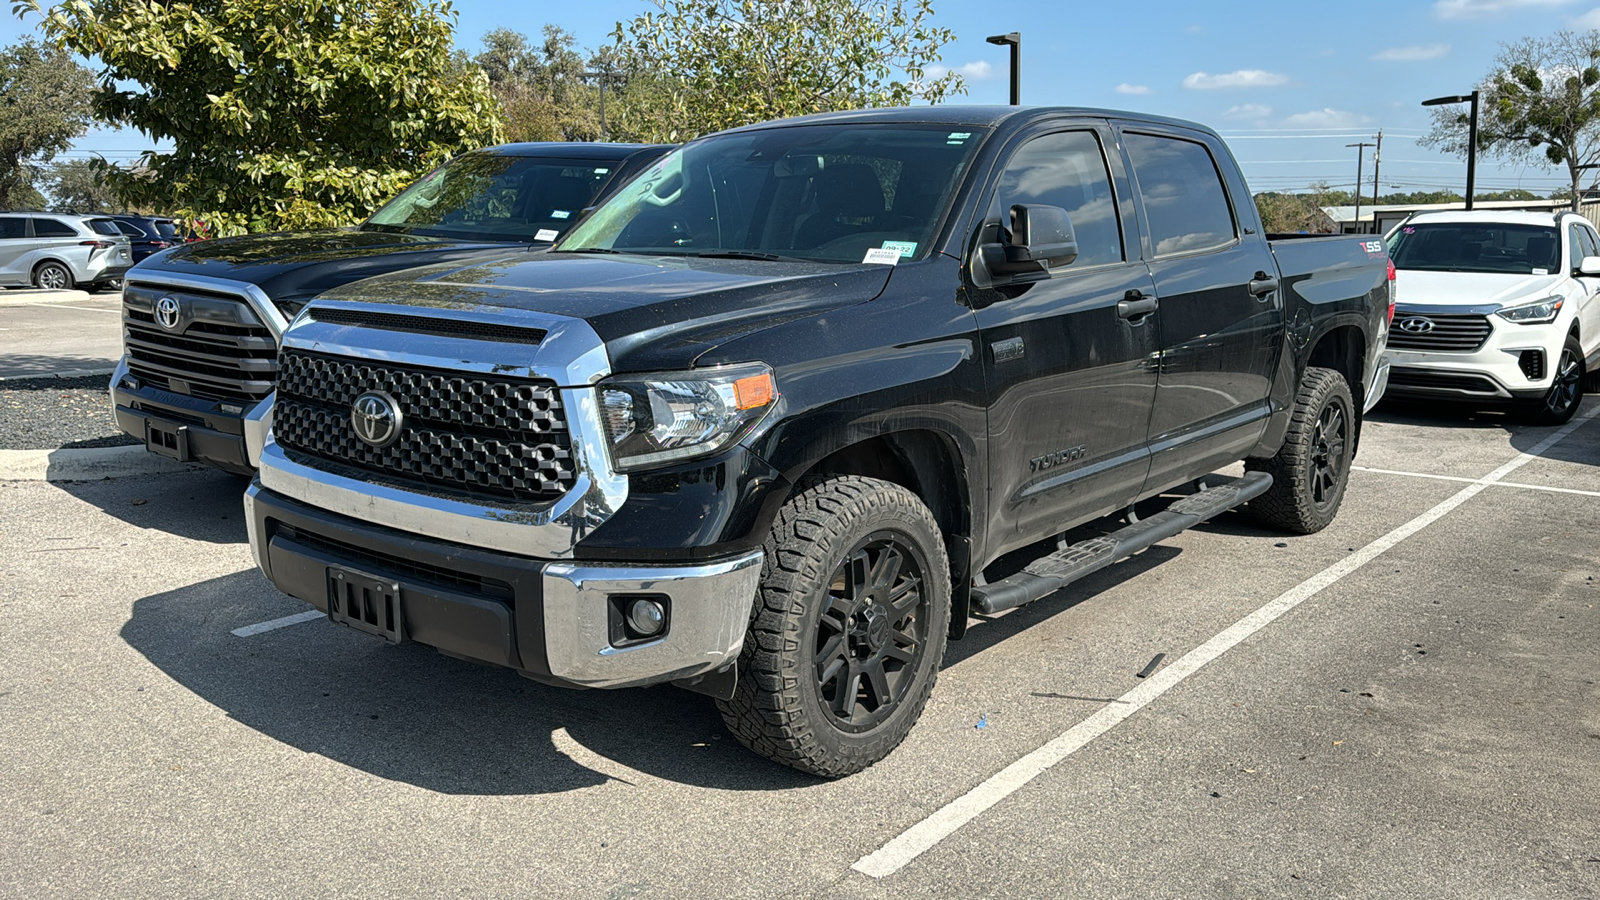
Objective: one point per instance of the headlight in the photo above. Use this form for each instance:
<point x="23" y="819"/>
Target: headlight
<point x="672" y="416"/>
<point x="1536" y="313"/>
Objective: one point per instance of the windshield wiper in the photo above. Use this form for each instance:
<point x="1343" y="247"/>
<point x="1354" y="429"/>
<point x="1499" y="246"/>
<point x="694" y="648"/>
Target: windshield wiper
<point x="591" y="250"/>
<point x="746" y="254"/>
<point x="386" y="229"/>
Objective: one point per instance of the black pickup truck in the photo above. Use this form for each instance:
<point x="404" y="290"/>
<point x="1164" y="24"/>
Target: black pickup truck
<point x="201" y="321"/>
<point x="763" y="423"/>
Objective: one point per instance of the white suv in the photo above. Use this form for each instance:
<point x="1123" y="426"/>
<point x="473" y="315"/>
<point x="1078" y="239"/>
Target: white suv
<point x="1496" y="307"/>
<point x="59" y="251"/>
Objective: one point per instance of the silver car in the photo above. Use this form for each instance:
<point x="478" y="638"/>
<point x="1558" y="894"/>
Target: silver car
<point x="58" y="251"/>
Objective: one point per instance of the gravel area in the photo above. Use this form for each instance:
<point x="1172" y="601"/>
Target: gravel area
<point x="51" y="413"/>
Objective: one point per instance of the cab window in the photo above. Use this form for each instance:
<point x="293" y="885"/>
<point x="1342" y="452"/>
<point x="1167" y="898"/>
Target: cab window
<point x="1067" y="170"/>
<point x="1184" y="200"/>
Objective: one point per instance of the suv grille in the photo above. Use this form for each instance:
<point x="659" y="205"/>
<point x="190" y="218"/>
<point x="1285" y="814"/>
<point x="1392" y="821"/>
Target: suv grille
<point x="210" y="360"/>
<point x="482" y="436"/>
<point x="1450" y="333"/>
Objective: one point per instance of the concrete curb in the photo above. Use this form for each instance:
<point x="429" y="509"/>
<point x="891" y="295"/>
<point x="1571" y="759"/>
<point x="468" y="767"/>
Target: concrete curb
<point x="90" y="464"/>
<point x="73" y="373"/>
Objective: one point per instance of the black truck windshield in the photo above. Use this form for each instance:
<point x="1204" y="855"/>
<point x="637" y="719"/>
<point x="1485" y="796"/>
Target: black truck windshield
<point x="829" y="193"/>
<point x="487" y="196"/>
<point x="1475" y="247"/>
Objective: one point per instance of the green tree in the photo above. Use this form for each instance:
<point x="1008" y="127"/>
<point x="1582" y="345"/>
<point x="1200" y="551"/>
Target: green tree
<point x="281" y="115"/>
<point x="1540" y="103"/>
<point x="44" y="104"/>
<point x="714" y="64"/>
<point x="81" y="185"/>
<point x="1292" y="213"/>
<point x="543" y="92"/>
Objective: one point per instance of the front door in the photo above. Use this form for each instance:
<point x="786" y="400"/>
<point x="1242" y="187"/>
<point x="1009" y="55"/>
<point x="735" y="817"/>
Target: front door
<point x="1221" y="312"/>
<point x="1071" y="378"/>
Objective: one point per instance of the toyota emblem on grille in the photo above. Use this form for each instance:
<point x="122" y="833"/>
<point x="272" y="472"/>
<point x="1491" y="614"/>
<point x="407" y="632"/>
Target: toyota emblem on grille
<point x="168" y="312"/>
<point x="375" y="416"/>
<point x="1416" y="325"/>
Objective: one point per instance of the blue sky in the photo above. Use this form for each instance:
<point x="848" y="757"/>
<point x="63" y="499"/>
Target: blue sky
<point x="1289" y="83"/>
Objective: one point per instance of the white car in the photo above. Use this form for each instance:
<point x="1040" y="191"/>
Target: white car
<point x="1496" y="307"/>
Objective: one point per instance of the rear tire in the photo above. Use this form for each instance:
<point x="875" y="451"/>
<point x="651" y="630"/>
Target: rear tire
<point x="845" y="645"/>
<point x="52" y="276"/>
<point x="1561" y="402"/>
<point x="1311" y="469"/>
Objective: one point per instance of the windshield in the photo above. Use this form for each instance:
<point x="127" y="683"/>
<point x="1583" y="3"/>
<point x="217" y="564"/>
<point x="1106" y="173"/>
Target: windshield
<point x="1475" y="247"/>
<point x="486" y="196"/>
<point x="816" y="192"/>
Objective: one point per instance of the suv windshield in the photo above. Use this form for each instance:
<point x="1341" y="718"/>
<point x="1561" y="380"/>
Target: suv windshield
<point x="1475" y="247"/>
<point x="827" y="193"/>
<point x="487" y="196"/>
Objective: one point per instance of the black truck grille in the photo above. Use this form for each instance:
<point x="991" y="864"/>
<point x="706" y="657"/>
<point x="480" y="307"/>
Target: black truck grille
<point x="481" y="436"/>
<point x="1448" y="333"/>
<point x="1403" y="378"/>
<point x="209" y="360"/>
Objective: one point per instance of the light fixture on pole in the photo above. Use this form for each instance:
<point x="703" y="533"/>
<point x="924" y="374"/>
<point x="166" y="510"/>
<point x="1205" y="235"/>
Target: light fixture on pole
<point x="1014" y="40"/>
<point x="1360" y="154"/>
<point x="1472" y="134"/>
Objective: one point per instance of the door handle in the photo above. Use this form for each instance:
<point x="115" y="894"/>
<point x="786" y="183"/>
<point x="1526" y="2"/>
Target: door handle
<point x="1136" y="305"/>
<point x="1262" y="285"/>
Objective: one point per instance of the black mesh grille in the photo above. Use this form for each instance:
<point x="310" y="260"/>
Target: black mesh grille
<point x="1448" y="333"/>
<point x="1532" y="364"/>
<point x="406" y="568"/>
<point x="483" y="331"/>
<point x="207" y="360"/>
<point x="1401" y="377"/>
<point x="493" y="437"/>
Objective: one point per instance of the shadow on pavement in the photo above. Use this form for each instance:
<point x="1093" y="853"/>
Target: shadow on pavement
<point x="1581" y="447"/>
<point x="43" y="365"/>
<point x="203" y="506"/>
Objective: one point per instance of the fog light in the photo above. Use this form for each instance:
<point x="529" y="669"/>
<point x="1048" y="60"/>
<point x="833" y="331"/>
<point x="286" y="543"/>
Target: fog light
<point x="646" y="617"/>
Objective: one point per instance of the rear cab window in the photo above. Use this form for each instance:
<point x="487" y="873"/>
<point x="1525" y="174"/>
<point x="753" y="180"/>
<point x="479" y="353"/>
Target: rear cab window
<point x="1184" y="200"/>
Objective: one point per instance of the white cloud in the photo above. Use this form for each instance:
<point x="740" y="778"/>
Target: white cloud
<point x="1248" y="111"/>
<point x="975" y="70"/>
<point x="1244" y="78"/>
<point x="1326" y="118"/>
<point x="1126" y="88"/>
<point x="1590" y="19"/>
<point x="1471" y="9"/>
<point x="1196" y="29"/>
<point x="1414" y="53"/>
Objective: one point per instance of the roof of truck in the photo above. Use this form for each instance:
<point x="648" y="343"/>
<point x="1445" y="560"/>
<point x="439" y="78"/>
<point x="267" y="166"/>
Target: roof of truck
<point x="977" y="116"/>
<point x="570" y="149"/>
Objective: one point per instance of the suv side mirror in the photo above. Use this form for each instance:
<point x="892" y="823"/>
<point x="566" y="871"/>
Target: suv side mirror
<point x="1590" y="265"/>
<point x="1040" y="237"/>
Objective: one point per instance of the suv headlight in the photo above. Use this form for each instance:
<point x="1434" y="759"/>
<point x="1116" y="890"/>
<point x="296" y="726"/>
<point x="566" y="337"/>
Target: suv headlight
<point x="1536" y="313"/>
<point x="673" y="416"/>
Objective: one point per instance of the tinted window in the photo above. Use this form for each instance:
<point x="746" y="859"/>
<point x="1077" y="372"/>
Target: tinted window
<point x="13" y="227"/>
<point x="1590" y="248"/>
<point x="52" y="228"/>
<point x="128" y="229"/>
<point x="1475" y="247"/>
<point x="1182" y="192"/>
<point x="486" y="195"/>
<point x="166" y="230"/>
<point x="105" y="226"/>
<point x="1067" y="170"/>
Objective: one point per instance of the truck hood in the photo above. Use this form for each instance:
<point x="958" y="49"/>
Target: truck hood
<point x="653" y="312"/>
<point x="302" y="264"/>
<point x="1418" y="288"/>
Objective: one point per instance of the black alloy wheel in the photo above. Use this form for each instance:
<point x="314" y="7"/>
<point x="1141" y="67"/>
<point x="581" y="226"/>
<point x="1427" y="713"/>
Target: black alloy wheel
<point x="1328" y="461"/>
<point x="1312" y="467"/>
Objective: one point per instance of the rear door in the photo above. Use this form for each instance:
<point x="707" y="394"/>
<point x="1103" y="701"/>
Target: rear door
<point x="16" y="246"/>
<point x="1071" y="380"/>
<point x="1221" y="318"/>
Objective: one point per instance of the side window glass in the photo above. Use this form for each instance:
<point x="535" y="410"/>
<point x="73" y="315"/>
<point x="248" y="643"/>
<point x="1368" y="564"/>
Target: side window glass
<point x="1182" y="192"/>
<point x="1067" y="170"/>
<point x="50" y="228"/>
<point x="1574" y="246"/>
<point x="12" y="227"/>
<point x="1590" y="246"/>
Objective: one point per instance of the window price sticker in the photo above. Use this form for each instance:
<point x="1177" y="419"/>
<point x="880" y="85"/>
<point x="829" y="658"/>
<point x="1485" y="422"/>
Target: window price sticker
<point x="884" y="256"/>
<point x="546" y="234"/>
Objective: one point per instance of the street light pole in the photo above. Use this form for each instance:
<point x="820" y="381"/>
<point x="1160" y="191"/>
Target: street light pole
<point x="601" y="77"/>
<point x="1014" y="40"/>
<point x="1472" y="135"/>
<point x="1360" y="158"/>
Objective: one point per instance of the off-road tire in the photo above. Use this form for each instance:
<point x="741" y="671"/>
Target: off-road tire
<point x="1561" y="402"/>
<point x="52" y="276"/>
<point x="780" y="708"/>
<point x="1310" y="471"/>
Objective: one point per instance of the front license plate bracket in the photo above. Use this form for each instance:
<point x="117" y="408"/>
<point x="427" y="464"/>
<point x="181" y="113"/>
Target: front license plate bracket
<point x="366" y="603"/>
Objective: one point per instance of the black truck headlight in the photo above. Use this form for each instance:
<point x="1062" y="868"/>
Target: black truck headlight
<point x="1536" y="313"/>
<point x="673" y="416"/>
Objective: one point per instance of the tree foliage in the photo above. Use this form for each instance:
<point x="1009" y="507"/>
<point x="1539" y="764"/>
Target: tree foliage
<point x="44" y="105"/>
<point x="1540" y="103"/>
<point x="281" y="115"/>
<point x="81" y="185"/>
<point x="543" y="90"/>
<point x="714" y="64"/>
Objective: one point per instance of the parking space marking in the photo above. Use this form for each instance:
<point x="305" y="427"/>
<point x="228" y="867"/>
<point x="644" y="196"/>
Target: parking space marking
<point x="945" y="821"/>
<point x="1509" y="484"/>
<point x="275" y="624"/>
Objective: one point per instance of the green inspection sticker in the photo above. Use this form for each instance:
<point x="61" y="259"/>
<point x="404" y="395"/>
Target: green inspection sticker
<point x="906" y="248"/>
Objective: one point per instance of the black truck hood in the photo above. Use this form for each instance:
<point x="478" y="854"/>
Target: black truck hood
<point x="652" y="312"/>
<point x="301" y="264"/>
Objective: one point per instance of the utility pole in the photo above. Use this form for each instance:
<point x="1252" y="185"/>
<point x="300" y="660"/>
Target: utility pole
<point x="1360" y="158"/>
<point x="1377" y="157"/>
<point x="1014" y="41"/>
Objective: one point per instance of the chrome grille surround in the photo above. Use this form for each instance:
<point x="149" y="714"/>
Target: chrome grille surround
<point x="224" y="346"/>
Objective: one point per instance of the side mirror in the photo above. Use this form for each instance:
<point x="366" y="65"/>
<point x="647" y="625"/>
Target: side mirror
<point x="1589" y="266"/>
<point x="1040" y="237"/>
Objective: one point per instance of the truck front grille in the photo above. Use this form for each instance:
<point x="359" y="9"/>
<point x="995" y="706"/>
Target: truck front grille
<point x="1448" y="333"/>
<point x="205" y="359"/>
<point x="488" y="436"/>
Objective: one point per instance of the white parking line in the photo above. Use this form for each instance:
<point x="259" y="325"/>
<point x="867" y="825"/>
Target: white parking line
<point x="924" y="835"/>
<point x="1509" y="484"/>
<point x="275" y="624"/>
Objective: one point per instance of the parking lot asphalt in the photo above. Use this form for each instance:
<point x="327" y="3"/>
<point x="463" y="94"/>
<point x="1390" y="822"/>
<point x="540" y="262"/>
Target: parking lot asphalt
<point x="53" y="332"/>
<point x="1414" y="714"/>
